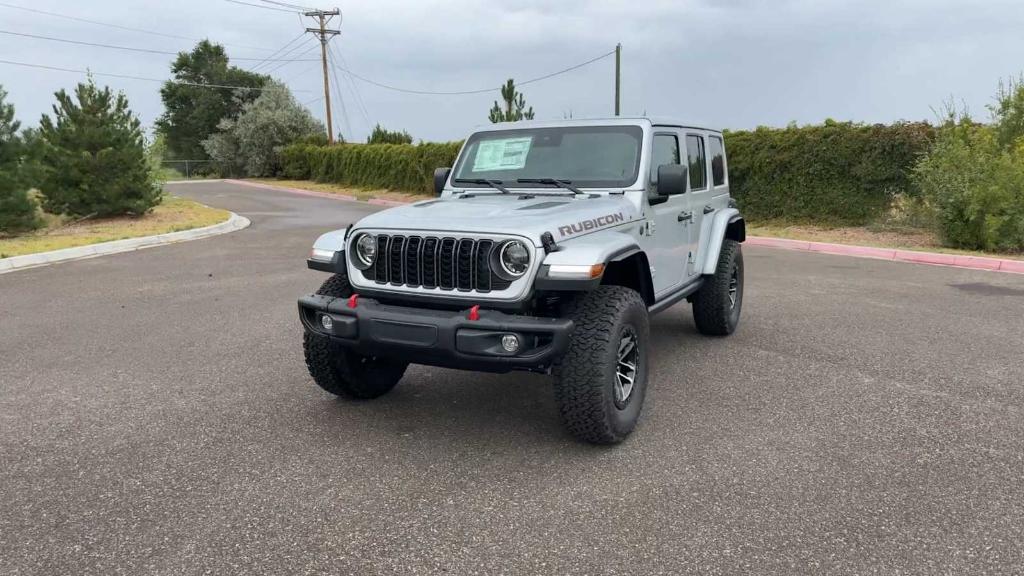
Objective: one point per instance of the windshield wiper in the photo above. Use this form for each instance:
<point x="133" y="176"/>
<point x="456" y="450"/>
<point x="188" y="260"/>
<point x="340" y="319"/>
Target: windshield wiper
<point x="567" y="184"/>
<point x="496" y="184"/>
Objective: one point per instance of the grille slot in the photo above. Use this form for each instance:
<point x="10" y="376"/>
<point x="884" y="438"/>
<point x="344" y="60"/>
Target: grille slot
<point x="430" y="246"/>
<point x="462" y="264"/>
<point x="412" y="260"/>
<point x="396" y="251"/>
<point x="446" y="267"/>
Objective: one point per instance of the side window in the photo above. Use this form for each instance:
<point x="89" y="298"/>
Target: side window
<point x="717" y="149"/>
<point x="665" y="151"/>
<point x="697" y="164"/>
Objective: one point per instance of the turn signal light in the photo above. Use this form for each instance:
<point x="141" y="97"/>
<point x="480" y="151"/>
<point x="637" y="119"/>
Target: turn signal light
<point x="575" y="271"/>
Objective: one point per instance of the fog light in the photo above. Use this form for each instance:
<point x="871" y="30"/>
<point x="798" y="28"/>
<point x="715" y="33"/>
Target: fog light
<point x="510" y="342"/>
<point x="326" y="322"/>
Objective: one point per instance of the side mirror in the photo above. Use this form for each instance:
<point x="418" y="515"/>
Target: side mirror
<point x="672" y="179"/>
<point x="440" y="178"/>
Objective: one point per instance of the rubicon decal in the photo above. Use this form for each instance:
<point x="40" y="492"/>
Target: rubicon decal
<point x="591" y="224"/>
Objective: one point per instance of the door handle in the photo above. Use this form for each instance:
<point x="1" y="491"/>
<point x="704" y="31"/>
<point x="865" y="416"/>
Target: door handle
<point x="709" y="209"/>
<point x="684" y="216"/>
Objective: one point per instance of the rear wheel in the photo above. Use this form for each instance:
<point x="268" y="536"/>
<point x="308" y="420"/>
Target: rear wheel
<point x="602" y="379"/>
<point x="716" y="306"/>
<point x="340" y="371"/>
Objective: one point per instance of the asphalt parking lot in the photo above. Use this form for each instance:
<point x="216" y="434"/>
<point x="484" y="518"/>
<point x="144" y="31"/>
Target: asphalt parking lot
<point x="156" y="417"/>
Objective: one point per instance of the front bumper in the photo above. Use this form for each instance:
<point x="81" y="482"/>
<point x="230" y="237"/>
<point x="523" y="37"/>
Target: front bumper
<point x="438" y="337"/>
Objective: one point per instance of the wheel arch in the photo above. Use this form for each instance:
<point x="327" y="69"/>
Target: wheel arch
<point x="631" y="270"/>
<point x="728" y="224"/>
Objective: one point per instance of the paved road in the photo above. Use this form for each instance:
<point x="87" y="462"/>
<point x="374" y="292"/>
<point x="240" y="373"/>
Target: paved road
<point x="156" y="418"/>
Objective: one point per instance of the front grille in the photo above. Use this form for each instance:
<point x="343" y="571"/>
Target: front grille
<point x="448" y="263"/>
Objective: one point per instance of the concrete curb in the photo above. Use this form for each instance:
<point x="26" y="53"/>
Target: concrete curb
<point x="895" y="255"/>
<point x="233" y="223"/>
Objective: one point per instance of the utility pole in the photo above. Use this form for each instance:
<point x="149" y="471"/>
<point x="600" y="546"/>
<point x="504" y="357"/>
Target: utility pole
<point x="618" y="75"/>
<point x="324" y="17"/>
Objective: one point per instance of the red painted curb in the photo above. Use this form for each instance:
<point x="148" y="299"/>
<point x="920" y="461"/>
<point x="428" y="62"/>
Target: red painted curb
<point x="933" y="258"/>
<point x="1016" y="266"/>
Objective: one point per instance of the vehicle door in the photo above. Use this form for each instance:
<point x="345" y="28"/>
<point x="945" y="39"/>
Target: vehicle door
<point x="700" y="196"/>
<point x="669" y="238"/>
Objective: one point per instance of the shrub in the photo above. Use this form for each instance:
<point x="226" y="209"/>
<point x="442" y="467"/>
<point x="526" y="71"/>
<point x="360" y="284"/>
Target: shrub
<point x="17" y="207"/>
<point x="975" y="186"/>
<point x="396" y="166"/>
<point x="94" y="156"/>
<point x="1008" y="113"/>
<point x="383" y="136"/>
<point x="835" y="173"/>
<point x="251" y="143"/>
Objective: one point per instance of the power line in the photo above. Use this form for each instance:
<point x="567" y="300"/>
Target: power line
<point x="302" y="72"/>
<point x="360" y="105"/>
<point x="337" y="93"/>
<point x="120" y="27"/>
<point x="286" y="5"/>
<point x="130" y="77"/>
<point x="261" y="6"/>
<point x="127" y="48"/>
<point x="276" y="52"/>
<point x="480" y="91"/>
<point x="298" y="58"/>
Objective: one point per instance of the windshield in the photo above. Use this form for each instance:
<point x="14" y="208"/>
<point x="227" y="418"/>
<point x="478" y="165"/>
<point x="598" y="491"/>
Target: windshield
<point x="585" y="156"/>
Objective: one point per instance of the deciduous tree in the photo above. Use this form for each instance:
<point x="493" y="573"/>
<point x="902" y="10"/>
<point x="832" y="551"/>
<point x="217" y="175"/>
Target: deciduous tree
<point x="191" y="112"/>
<point x="251" y="143"/>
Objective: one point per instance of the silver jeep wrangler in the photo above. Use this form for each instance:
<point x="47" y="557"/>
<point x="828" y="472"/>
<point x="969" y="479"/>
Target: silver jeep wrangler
<point x="549" y="246"/>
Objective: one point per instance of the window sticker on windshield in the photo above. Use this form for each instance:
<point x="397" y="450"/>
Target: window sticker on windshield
<point x="504" y="154"/>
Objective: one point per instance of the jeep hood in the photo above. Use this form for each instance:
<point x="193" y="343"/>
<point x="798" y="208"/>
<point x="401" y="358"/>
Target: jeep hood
<point x="563" y="216"/>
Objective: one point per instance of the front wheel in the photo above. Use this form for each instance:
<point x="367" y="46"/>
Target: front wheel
<point x="341" y="371"/>
<point x="716" y="306"/>
<point x="601" y="381"/>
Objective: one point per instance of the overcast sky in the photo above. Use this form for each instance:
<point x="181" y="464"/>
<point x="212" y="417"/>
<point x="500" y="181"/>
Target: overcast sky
<point x="725" y="63"/>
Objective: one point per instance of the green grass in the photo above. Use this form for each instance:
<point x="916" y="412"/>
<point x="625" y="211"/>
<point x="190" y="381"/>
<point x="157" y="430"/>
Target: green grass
<point x="174" y="214"/>
<point x="166" y="174"/>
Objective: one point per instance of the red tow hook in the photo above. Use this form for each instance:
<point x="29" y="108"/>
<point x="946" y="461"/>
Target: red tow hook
<point x="353" y="300"/>
<point x="474" y="313"/>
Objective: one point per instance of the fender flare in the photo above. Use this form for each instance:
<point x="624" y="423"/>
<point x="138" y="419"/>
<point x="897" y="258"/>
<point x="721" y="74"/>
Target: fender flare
<point x="727" y="223"/>
<point x="606" y="247"/>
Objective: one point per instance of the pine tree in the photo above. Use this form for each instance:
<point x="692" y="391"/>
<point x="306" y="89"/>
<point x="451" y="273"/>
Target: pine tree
<point x="94" y="156"/>
<point x="17" y="207"/>
<point x="381" y="135"/>
<point x="515" y="106"/>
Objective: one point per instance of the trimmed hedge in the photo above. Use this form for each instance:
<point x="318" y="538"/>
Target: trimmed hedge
<point x="835" y="173"/>
<point x="396" y="166"/>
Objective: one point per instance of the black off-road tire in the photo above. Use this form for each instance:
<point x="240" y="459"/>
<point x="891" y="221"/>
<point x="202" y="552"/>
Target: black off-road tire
<point x="341" y="371"/>
<point x="585" y="378"/>
<point x="715" y="311"/>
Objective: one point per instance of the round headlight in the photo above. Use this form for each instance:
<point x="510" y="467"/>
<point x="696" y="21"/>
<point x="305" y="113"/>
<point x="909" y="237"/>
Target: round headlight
<point x="366" y="251"/>
<point x="514" y="258"/>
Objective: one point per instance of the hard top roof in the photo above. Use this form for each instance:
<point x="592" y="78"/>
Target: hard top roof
<point x="614" y="120"/>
